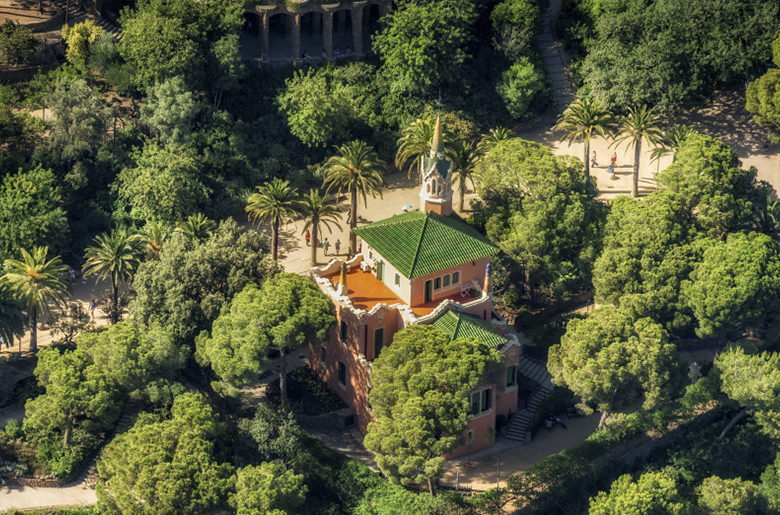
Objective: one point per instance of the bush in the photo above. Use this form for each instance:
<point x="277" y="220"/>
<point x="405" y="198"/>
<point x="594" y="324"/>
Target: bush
<point x="13" y="429"/>
<point x="519" y="86"/>
<point x="79" y="39"/>
<point x="307" y="393"/>
<point x="17" y="43"/>
<point x="104" y="52"/>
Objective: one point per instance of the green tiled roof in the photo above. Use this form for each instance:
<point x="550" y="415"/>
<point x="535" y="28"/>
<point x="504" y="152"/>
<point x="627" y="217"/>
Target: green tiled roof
<point x="418" y="244"/>
<point x="462" y="325"/>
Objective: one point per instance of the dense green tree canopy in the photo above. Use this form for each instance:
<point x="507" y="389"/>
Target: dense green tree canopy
<point x="541" y="210"/>
<point x="671" y="54"/>
<point x="519" y="86"/>
<point x="610" y="360"/>
<point x="515" y="24"/>
<point x="654" y="493"/>
<point x="170" y="110"/>
<point x="422" y="44"/>
<point x="268" y="489"/>
<point x="80" y="118"/>
<point x="420" y="384"/>
<point x="737" y="284"/>
<point x="754" y="382"/>
<point x="165" y="467"/>
<point x="730" y="497"/>
<point x="31" y="213"/>
<point x="185" y="289"/>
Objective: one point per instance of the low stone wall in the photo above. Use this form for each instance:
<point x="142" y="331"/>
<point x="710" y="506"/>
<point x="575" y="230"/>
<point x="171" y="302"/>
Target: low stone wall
<point x="24" y="74"/>
<point x="37" y="482"/>
<point x="53" y="23"/>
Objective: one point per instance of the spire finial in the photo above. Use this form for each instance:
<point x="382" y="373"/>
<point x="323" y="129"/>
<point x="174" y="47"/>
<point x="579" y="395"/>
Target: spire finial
<point x="437" y="146"/>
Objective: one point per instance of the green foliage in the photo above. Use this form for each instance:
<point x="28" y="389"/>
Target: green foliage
<point x="653" y="493"/>
<point x="30" y="212"/>
<point x="737" y="283"/>
<point x="274" y="202"/>
<point x="163" y="186"/>
<point x="611" y="360"/>
<point x="268" y="489"/>
<point x="79" y="38"/>
<point x="422" y="44"/>
<point x="583" y="119"/>
<point x="420" y="384"/>
<point x="730" y="497"/>
<point x="763" y="101"/>
<point x="17" y="43"/>
<point x="520" y="86"/>
<point x="288" y="311"/>
<point x="185" y="289"/>
<point x="184" y="38"/>
<point x="671" y="54"/>
<point x="170" y="110"/>
<point x="104" y="52"/>
<point x="308" y="393"/>
<point x="770" y="485"/>
<point x="80" y="118"/>
<point x="12" y="319"/>
<point x="515" y="24"/>
<point x="541" y="210"/>
<point x="165" y="467"/>
<point x="754" y="382"/>
<point x="275" y="436"/>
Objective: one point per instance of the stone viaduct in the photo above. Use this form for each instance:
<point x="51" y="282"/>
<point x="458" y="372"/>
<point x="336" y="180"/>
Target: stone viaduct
<point x="281" y="26"/>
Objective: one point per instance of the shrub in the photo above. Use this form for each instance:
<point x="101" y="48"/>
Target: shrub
<point x="79" y="38"/>
<point x="13" y="429"/>
<point x="519" y="86"/>
<point x="17" y="43"/>
<point x="104" y="52"/>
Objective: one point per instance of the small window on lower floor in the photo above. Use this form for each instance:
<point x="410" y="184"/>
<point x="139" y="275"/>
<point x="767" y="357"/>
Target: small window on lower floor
<point x="487" y="399"/>
<point x="344" y="331"/>
<point x="511" y="376"/>
<point x="437" y="283"/>
<point x="455" y="277"/>
<point x="342" y="373"/>
<point x="446" y="280"/>
<point x="323" y="354"/>
<point x="398" y="280"/>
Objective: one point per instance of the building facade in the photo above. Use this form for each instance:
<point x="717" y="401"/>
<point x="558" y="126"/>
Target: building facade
<point x="420" y="267"/>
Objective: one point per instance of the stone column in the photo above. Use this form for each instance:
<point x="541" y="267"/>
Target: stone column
<point x="296" y="37"/>
<point x="357" y="30"/>
<point x="327" y="27"/>
<point x="264" y="30"/>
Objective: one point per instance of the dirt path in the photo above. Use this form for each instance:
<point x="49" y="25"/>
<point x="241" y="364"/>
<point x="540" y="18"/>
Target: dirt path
<point x="25" y="497"/>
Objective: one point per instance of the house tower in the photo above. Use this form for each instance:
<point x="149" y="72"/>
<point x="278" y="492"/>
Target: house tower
<point x="436" y="190"/>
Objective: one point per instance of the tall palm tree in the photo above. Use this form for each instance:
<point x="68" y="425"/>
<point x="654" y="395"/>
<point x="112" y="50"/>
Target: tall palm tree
<point x="671" y="142"/>
<point x="581" y="120"/>
<point x="197" y="228"/>
<point x="415" y="142"/>
<point x="465" y="157"/>
<point x="494" y="137"/>
<point x="117" y="254"/>
<point x="154" y="235"/>
<point x="319" y="211"/>
<point x="276" y="202"/>
<point x="359" y="171"/>
<point x="639" y="125"/>
<point x="11" y="315"/>
<point x="37" y="281"/>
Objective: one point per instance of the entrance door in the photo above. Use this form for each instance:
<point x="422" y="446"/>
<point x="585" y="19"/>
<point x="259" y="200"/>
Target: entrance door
<point x="428" y="296"/>
<point x="380" y="270"/>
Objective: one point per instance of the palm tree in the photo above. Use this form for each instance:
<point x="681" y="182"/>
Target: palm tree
<point x="671" y="142"/>
<point x="37" y="281"/>
<point x="464" y="157"/>
<point x="197" y="228"/>
<point x="319" y="211"/>
<point x="11" y="315"/>
<point x="494" y="137"/>
<point x="359" y="171"/>
<point x="117" y="254"/>
<point x="639" y="124"/>
<point x="275" y="201"/>
<point x="154" y="235"/>
<point x="415" y="142"/>
<point x="581" y="120"/>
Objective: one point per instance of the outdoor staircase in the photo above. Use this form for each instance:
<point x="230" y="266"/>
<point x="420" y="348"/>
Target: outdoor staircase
<point x="521" y="422"/>
<point x="77" y="14"/>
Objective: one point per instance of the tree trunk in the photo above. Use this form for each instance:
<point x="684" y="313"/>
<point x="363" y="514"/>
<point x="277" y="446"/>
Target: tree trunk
<point x="739" y="416"/>
<point x="587" y="158"/>
<point x="635" y="185"/>
<point x="68" y="429"/>
<point x="462" y="192"/>
<point x="314" y="242"/>
<point x="430" y="486"/>
<point x="283" y="376"/>
<point x="33" y="332"/>
<point x="353" y="220"/>
<point x="115" y="306"/>
<point x="275" y="240"/>
<point x="603" y="419"/>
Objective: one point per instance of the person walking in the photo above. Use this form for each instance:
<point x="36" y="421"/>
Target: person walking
<point x="612" y="164"/>
<point x="92" y="306"/>
<point x="338" y="247"/>
<point x="308" y="238"/>
<point x="325" y="246"/>
<point x="593" y="160"/>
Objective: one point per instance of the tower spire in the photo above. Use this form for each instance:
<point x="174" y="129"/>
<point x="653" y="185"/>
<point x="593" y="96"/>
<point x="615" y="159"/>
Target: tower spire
<point x="437" y="145"/>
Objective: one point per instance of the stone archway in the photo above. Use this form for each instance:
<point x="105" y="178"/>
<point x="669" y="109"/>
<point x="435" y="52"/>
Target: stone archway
<point x="250" y="44"/>
<point x="280" y="36"/>
<point x="312" y="37"/>
<point x="344" y="25"/>
<point x="371" y="15"/>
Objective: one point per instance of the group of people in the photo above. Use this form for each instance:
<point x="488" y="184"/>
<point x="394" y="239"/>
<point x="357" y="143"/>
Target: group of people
<point x="325" y="244"/>
<point x="612" y="164"/>
<point x="337" y="52"/>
